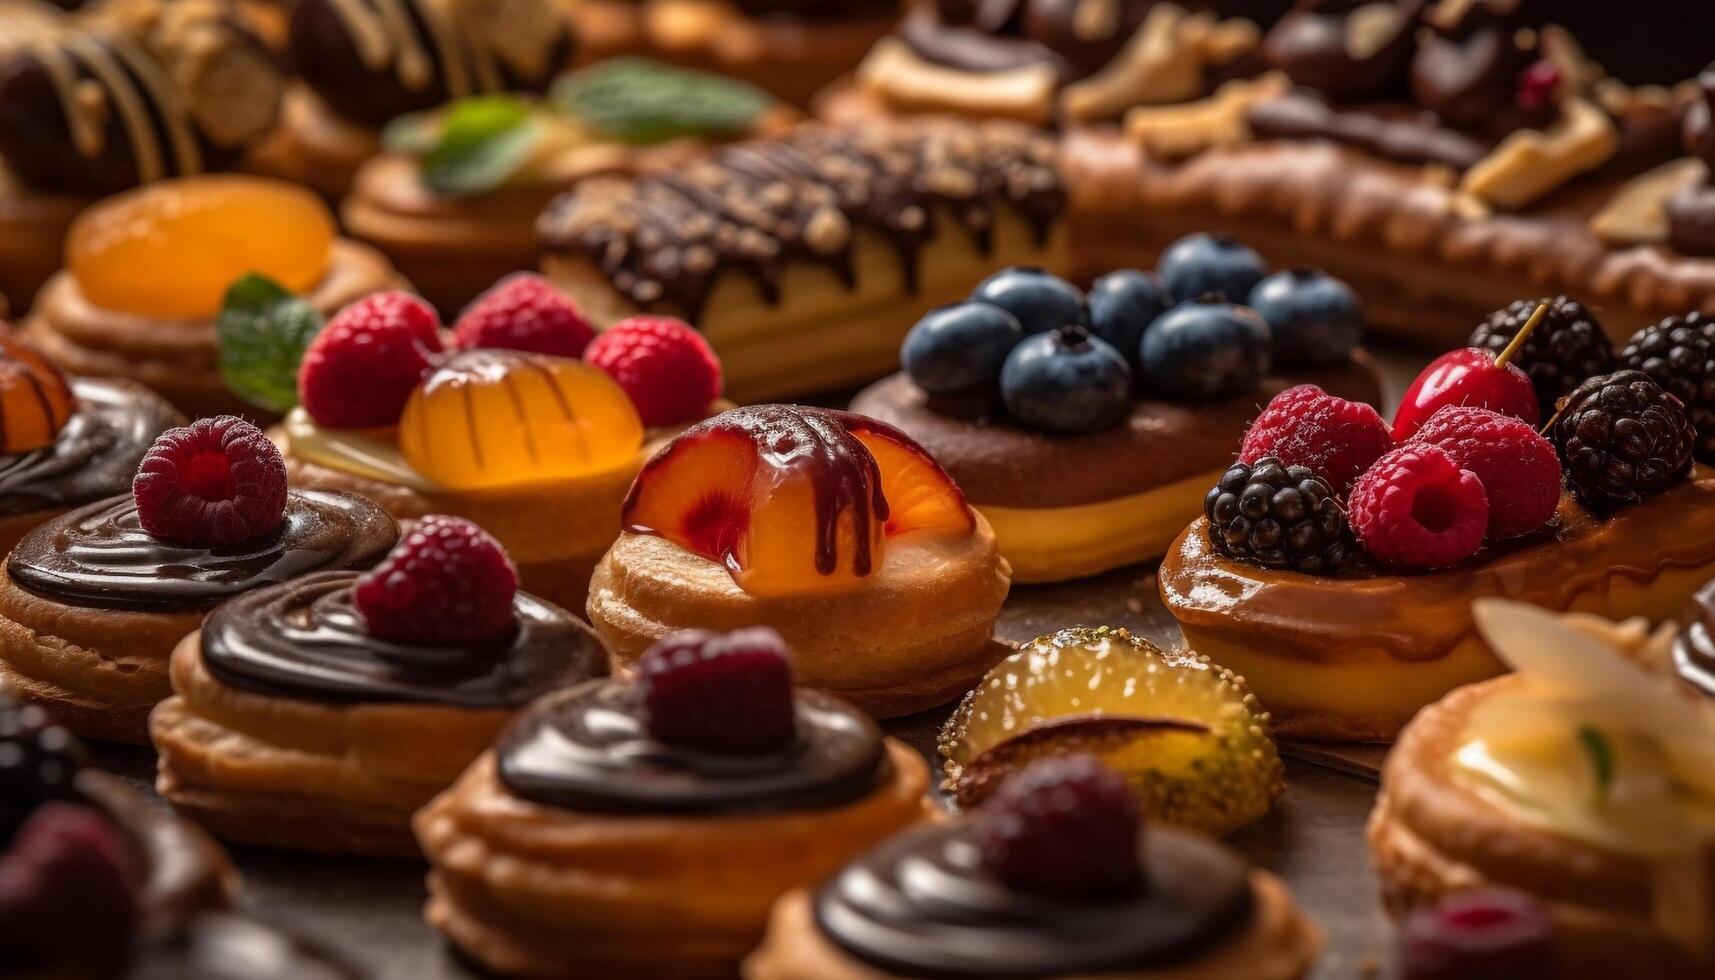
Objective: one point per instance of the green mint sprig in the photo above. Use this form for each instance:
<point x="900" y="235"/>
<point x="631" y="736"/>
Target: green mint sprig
<point x="263" y="331"/>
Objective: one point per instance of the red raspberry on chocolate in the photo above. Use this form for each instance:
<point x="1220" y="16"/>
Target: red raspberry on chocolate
<point x="1069" y="827"/>
<point x="361" y="369"/>
<point x="523" y="312"/>
<point x="213" y="483"/>
<point x="1416" y="508"/>
<point x="1520" y="470"/>
<point x="666" y="367"/>
<point x="1493" y="934"/>
<point x="1305" y="426"/>
<point x="67" y="905"/>
<point x="727" y="693"/>
<point x="447" y="583"/>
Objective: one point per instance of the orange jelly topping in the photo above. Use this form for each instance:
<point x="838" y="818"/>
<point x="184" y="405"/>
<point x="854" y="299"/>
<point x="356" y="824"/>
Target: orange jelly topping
<point x="793" y="500"/>
<point x="496" y="418"/>
<point x="35" y="400"/>
<point x="172" y="248"/>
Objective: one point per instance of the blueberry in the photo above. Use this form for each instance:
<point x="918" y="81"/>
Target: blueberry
<point x="1205" y="263"/>
<point x="959" y="348"/>
<point x="1313" y="317"/>
<point x="1041" y="301"/>
<point x="1066" y="381"/>
<point x="1205" y="349"/>
<point x="1122" y="304"/>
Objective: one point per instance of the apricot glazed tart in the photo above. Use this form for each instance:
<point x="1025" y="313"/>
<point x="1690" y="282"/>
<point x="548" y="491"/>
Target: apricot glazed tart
<point x="1582" y="779"/>
<point x="1131" y="396"/>
<point x="644" y="828"/>
<point x="837" y="530"/>
<point x="1053" y="877"/>
<point x="94" y="601"/>
<point x="321" y="714"/>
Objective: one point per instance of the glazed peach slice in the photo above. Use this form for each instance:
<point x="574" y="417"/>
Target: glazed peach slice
<point x="35" y="400"/>
<point x="793" y="500"/>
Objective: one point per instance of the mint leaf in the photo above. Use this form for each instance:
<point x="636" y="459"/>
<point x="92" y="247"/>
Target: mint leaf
<point x="263" y="331"/>
<point x="481" y="142"/>
<point x="638" y="101"/>
<point x="1601" y="753"/>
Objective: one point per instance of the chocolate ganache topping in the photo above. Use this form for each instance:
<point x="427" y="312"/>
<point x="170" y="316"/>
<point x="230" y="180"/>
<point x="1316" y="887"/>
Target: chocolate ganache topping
<point x="306" y="639"/>
<point x="100" y="556"/>
<point x="94" y="456"/>
<point x="587" y="749"/>
<point x="922" y="905"/>
<point x="1694" y="647"/>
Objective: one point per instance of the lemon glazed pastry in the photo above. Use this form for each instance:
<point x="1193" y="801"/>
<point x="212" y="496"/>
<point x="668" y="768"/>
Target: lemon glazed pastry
<point x="321" y="714"/>
<point x="836" y="530"/>
<point x="804" y="259"/>
<point x="1055" y="877"/>
<point x="645" y="827"/>
<point x="1582" y="780"/>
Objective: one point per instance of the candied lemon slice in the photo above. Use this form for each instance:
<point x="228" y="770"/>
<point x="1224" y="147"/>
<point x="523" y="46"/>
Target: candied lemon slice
<point x="1187" y="734"/>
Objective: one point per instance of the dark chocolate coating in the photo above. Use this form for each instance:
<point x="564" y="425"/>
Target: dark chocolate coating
<point x="817" y="10"/>
<point x="1467" y="72"/>
<point x="922" y="905"/>
<point x="99" y="556"/>
<point x="1694" y="647"/>
<point x="95" y="455"/>
<point x="306" y="639"/>
<point x="587" y="749"/>
<point x="1393" y="132"/>
<point x="218" y="946"/>
<point x="1311" y="46"/>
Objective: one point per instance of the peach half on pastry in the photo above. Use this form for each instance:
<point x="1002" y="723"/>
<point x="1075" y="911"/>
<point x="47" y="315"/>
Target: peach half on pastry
<point x="837" y="530"/>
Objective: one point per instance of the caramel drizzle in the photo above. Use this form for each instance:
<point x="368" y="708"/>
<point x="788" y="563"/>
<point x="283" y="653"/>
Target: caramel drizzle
<point x="384" y="31"/>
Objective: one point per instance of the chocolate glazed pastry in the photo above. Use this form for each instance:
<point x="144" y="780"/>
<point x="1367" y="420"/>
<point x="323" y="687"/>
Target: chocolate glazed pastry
<point x="1691" y="212"/>
<point x="1694" y="646"/>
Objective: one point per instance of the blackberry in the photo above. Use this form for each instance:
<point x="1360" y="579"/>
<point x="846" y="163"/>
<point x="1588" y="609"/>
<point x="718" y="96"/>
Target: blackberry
<point x="1278" y="516"/>
<point x="1679" y="354"/>
<point x="1622" y="439"/>
<point x="1566" y="347"/>
<point x="39" y="762"/>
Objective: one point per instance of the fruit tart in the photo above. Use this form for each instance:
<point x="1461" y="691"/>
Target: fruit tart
<point x="1054" y="877"/>
<point x="94" y="601"/>
<point x="1130" y="398"/>
<point x="146" y="272"/>
<point x="644" y="827"/>
<point x="1336" y="561"/>
<point x="837" y="530"/>
<point x="116" y="95"/>
<point x="1582" y="779"/>
<point x="454" y="199"/>
<point x="508" y="428"/>
<point x="321" y="713"/>
<point x="66" y="443"/>
<point x="804" y="258"/>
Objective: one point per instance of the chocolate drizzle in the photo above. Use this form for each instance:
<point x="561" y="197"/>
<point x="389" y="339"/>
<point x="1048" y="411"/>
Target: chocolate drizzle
<point x="1392" y="132"/>
<point x="1694" y="647"/>
<point x="921" y="905"/>
<point x="587" y="749"/>
<point x="1691" y="212"/>
<point x="94" y="456"/>
<point x="305" y="639"/>
<point x="100" y="556"/>
<point x="664" y="239"/>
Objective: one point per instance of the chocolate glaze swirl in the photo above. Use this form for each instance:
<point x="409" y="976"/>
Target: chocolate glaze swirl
<point x="100" y="556"/>
<point x="1694" y="647"/>
<point x="921" y="905"/>
<point x="306" y="639"/>
<point x="587" y="749"/>
<point x="94" y="456"/>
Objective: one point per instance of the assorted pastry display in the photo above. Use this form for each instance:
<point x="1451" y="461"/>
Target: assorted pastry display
<point x="1132" y="393"/>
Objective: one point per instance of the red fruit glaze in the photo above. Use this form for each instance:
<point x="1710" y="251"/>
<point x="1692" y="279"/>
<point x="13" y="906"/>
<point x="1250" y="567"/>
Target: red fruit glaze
<point x="1519" y="469"/>
<point x="215" y="482"/>
<point x="1468" y="376"/>
<point x="668" y="369"/>
<point x="729" y="693"/>
<point x="1415" y="508"/>
<point x="523" y="312"/>
<point x="1306" y="426"/>
<point x="362" y="367"/>
<point x="447" y="583"/>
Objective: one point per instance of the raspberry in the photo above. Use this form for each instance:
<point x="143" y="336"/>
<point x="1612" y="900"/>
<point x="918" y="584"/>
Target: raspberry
<point x="1519" y="469"/>
<point x="1065" y="826"/>
<point x="727" y="693"/>
<point x="213" y="483"/>
<point x="1492" y="934"/>
<point x="39" y="762"/>
<point x="1278" y="517"/>
<point x="361" y="368"/>
<point x="447" y="583"/>
<point x="1306" y="426"/>
<point x="66" y="902"/>
<point x="1415" y="508"/>
<point x="1623" y="439"/>
<point x="522" y="312"/>
<point x="665" y="366"/>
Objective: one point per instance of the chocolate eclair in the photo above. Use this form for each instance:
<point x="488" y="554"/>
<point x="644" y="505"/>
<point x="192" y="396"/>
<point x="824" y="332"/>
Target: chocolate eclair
<point x="804" y="258"/>
<point x="94" y="601"/>
<point x="644" y="828"/>
<point x="306" y="717"/>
